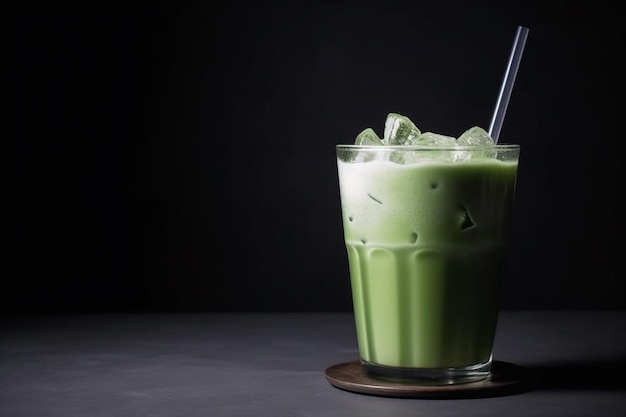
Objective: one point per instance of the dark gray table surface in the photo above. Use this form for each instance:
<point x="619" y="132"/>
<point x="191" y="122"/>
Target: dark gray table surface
<point x="273" y="365"/>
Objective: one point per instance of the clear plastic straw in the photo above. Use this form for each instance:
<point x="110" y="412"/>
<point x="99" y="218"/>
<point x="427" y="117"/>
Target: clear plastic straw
<point x="507" y="83"/>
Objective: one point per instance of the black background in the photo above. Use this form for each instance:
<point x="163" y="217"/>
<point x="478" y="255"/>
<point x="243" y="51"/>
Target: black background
<point x="179" y="156"/>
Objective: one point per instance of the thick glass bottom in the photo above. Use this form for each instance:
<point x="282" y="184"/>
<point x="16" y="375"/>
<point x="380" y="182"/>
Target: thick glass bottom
<point x="428" y="376"/>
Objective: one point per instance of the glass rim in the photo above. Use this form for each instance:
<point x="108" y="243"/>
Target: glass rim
<point x="383" y="148"/>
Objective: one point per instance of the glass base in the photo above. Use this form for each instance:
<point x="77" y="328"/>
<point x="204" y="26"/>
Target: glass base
<point x="428" y="376"/>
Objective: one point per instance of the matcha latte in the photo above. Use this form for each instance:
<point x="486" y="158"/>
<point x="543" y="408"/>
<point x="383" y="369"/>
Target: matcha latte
<point x="426" y="221"/>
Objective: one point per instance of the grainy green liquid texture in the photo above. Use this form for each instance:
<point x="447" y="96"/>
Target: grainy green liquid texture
<point x="426" y="249"/>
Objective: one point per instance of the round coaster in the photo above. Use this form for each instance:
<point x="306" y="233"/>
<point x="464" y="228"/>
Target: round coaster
<point x="506" y="379"/>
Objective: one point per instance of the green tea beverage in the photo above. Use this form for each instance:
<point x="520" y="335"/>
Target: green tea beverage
<point x="426" y="222"/>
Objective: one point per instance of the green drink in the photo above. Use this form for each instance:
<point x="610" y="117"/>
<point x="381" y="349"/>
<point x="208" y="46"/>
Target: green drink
<point x="426" y="229"/>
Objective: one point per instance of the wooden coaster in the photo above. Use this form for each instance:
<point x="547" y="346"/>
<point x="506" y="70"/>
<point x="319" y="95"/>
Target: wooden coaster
<point x="506" y="379"/>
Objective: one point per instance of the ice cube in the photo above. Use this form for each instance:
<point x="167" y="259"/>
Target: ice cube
<point x="425" y="139"/>
<point x="368" y="138"/>
<point x="400" y="130"/>
<point x="435" y="139"/>
<point x="475" y="136"/>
